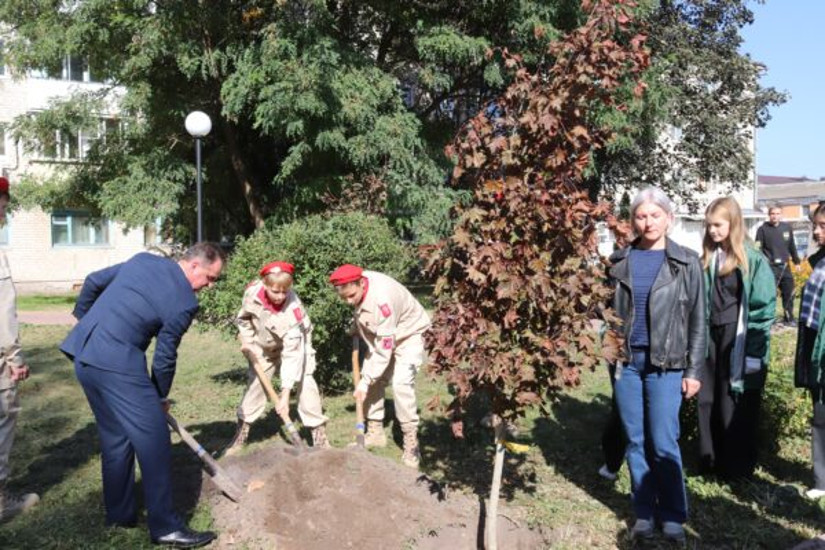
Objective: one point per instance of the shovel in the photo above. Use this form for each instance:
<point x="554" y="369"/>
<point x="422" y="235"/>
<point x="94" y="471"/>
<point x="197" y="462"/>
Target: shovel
<point x="294" y="436"/>
<point x="359" y="406"/>
<point x="219" y="476"/>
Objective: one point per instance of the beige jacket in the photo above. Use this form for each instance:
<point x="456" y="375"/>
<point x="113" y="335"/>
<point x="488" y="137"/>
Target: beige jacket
<point x="285" y="334"/>
<point x="10" y="353"/>
<point x="387" y="315"/>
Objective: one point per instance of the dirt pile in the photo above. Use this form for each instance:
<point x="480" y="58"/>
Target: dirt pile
<point x="349" y="499"/>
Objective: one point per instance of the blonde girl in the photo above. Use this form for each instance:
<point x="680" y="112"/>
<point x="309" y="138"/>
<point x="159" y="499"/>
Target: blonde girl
<point x="741" y="300"/>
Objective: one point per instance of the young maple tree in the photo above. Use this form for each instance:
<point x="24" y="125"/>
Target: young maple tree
<point x="520" y="281"/>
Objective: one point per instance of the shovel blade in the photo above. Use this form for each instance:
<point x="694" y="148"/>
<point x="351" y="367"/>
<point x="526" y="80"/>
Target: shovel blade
<point x="227" y="485"/>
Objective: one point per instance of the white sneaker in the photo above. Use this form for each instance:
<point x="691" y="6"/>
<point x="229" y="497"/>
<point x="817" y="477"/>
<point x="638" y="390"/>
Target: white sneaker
<point x="814" y="494"/>
<point x="12" y="504"/>
<point x="673" y="531"/>
<point x="605" y="472"/>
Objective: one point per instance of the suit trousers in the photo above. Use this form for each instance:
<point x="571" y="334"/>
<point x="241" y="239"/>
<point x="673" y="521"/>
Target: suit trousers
<point x="131" y="422"/>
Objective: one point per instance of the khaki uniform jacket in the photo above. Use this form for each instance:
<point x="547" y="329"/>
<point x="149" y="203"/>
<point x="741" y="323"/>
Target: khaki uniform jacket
<point x="10" y="354"/>
<point x="285" y="334"/>
<point x="387" y="315"/>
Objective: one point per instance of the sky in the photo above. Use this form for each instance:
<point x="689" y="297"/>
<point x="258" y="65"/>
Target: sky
<point x="786" y="36"/>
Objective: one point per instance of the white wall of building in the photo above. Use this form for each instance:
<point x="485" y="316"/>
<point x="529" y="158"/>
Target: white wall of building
<point x="39" y="267"/>
<point x="38" y="264"/>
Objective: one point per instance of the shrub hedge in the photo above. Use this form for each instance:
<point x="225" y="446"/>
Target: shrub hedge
<point x="316" y="245"/>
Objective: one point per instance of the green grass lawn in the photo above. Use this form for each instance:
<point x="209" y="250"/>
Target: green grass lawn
<point x="44" y="302"/>
<point x="56" y="454"/>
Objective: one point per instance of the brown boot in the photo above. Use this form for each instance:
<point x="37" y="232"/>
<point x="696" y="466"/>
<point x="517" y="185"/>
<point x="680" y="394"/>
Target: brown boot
<point x="239" y="440"/>
<point x="375" y="436"/>
<point x="12" y="505"/>
<point x="411" y="456"/>
<point x="319" y="437"/>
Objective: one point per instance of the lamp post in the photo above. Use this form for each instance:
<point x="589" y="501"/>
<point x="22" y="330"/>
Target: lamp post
<point x="198" y="125"/>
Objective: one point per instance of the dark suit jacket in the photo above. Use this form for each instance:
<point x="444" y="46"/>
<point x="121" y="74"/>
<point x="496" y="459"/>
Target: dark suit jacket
<point x="121" y="308"/>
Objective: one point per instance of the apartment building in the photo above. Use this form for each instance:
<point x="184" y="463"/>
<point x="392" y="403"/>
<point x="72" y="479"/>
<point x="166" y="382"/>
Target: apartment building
<point x="53" y="251"/>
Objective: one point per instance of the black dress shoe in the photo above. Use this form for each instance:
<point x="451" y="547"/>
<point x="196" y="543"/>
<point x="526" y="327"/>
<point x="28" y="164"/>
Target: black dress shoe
<point x="185" y="538"/>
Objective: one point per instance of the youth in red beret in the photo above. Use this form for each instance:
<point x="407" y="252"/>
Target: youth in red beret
<point x="346" y="273"/>
<point x="277" y="267"/>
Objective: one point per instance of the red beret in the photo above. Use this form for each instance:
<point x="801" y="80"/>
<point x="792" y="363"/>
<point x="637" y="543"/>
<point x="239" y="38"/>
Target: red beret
<point x="347" y="273"/>
<point x="277" y="267"/>
<point x="4" y="185"/>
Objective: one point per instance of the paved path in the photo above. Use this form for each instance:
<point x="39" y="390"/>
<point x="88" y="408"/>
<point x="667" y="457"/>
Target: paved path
<point x="46" y="317"/>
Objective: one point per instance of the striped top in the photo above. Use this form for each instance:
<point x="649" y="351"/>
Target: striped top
<point x="644" y="267"/>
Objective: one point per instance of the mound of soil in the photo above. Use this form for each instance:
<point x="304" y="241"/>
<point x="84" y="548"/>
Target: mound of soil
<point x="349" y="498"/>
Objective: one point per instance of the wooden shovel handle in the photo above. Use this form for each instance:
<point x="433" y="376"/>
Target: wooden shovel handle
<point x="222" y="479"/>
<point x="264" y="379"/>
<point x="356" y="378"/>
<point x="270" y="392"/>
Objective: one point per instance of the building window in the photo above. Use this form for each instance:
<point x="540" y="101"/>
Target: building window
<point x="79" y="229"/>
<point x="72" y="67"/>
<point x="153" y="233"/>
<point x="75" y="146"/>
<point x="2" y="141"/>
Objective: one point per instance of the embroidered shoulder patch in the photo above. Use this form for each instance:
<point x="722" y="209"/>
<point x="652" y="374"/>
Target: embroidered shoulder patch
<point x="299" y="315"/>
<point x="387" y="342"/>
<point x="385" y="310"/>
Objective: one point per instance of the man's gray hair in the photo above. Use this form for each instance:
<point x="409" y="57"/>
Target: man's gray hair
<point x="654" y="195"/>
<point x="207" y="251"/>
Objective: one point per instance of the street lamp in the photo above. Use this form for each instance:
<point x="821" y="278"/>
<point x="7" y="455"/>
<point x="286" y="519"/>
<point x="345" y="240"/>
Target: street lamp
<point x="198" y="125"/>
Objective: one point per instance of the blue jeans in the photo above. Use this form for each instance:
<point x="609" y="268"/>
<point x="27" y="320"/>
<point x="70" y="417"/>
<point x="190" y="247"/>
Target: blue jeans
<point x="649" y="401"/>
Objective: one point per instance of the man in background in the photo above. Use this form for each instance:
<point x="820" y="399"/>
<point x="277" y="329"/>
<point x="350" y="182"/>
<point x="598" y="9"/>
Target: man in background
<point x="775" y="238"/>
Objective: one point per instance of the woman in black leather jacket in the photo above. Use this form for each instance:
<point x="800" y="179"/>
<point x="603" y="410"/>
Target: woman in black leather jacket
<point x="661" y="300"/>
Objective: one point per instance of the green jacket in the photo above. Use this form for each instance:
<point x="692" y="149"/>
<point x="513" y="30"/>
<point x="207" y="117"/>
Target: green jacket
<point x="753" y="334"/>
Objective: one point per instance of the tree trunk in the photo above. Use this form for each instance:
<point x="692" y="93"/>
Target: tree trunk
<point x="498" y="467"/>
<point x="243" y="176"/>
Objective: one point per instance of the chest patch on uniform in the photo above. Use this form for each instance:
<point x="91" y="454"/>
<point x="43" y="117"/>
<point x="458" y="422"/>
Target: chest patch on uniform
<point x="387" y="342"/>
<point x="385" y="310"/>
<point x="299" y="315"/>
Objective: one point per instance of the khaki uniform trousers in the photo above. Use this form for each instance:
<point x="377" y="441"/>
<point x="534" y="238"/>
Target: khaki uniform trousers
<point x="407" y="357"/>
<point x="9" y="409"/>
<point x="254" y="400"/>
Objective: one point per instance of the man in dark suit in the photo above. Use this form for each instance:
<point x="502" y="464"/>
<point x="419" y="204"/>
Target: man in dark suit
<point x="119" y="310"/>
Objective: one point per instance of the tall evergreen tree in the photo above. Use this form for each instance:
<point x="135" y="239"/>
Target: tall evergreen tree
<point x="313" y="100"/>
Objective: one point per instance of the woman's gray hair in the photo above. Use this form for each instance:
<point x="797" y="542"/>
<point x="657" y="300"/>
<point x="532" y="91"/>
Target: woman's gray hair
<point x="654" y="195"/>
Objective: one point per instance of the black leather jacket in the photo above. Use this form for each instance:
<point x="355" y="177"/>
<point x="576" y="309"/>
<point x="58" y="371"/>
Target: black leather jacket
<point x="676" y="305"/>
